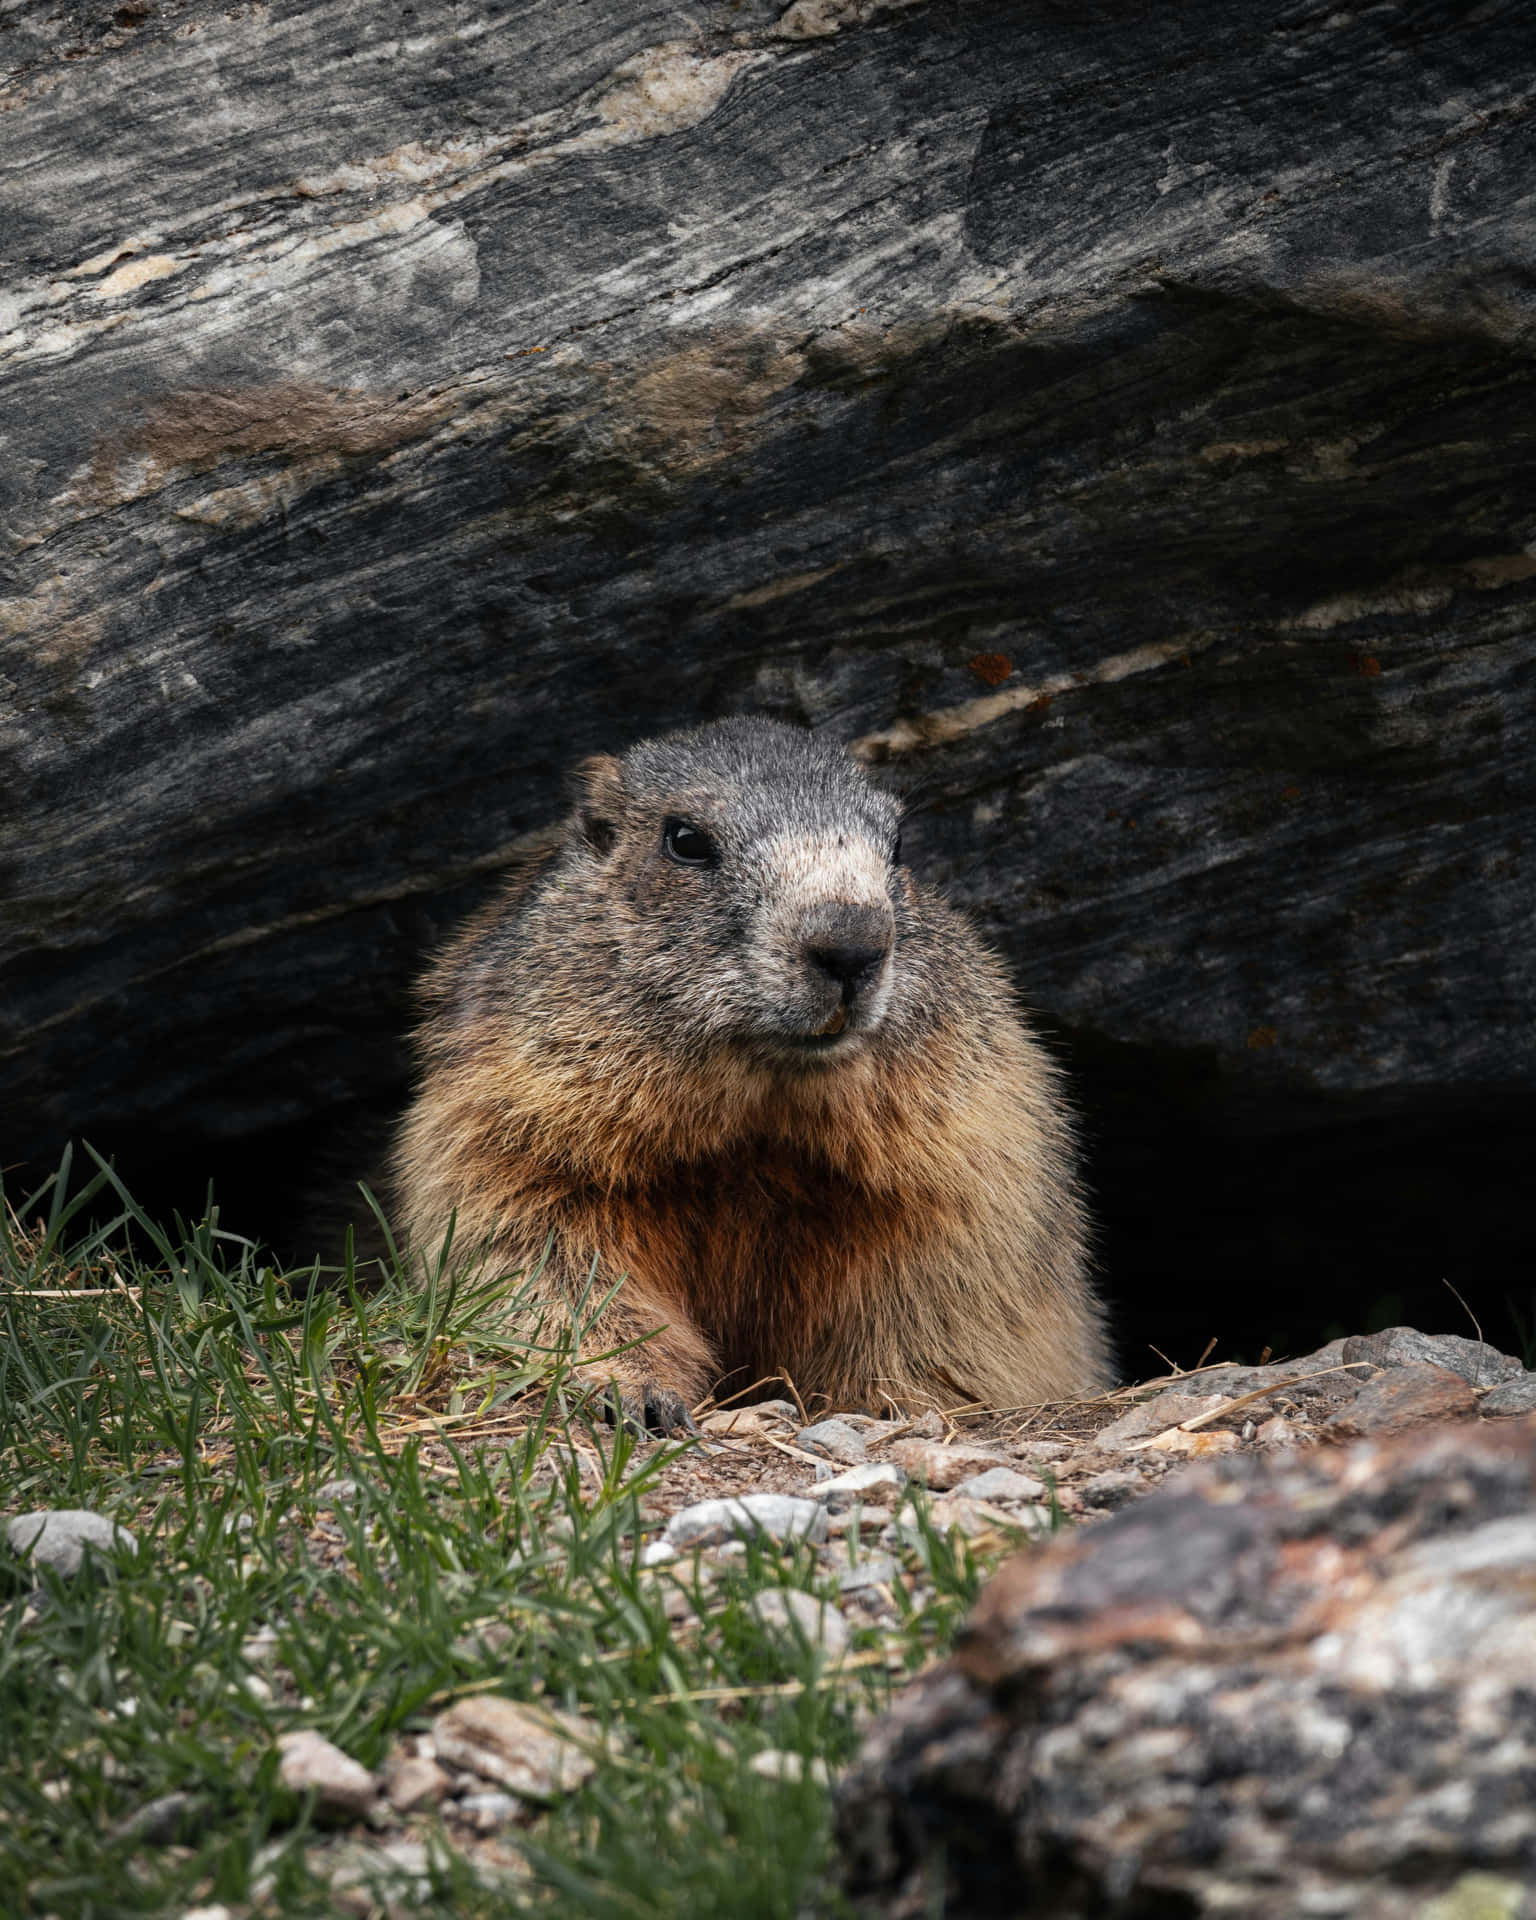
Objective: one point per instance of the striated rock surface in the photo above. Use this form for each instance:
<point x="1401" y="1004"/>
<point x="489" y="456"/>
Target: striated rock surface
<point x="1271" y="1688"/>
<point x="1121" y="423"/>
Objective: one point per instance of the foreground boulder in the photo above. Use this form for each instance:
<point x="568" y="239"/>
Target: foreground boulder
<point x="1273" y="1688"/>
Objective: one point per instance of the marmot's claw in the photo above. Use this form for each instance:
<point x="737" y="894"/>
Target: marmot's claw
<point x="648" y="1410"/>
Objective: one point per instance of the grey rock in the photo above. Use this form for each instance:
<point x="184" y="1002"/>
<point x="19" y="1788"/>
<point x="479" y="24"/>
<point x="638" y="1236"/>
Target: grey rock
<point x="417" y="1782"/>
<point x="1402" y="1397"/>
<point x="1001" y="1483"/>
<point x="775" y="1764"/>
<point x="942" y="1467"/>
<point x="874" y="1480"/>
<point x="367" y="425"/>
<point x="337" y="1493"/>
<point x="1478" y="1364"/>
<point x="1148" y="1418"/>
<point x="60" y="1538"/>
<point x="1105" y="1680"/>
<point x="800" y="1616"/>
<point x="309" y="1763"/>
<point x="536" y="1753"/>
<point x="775" y="1515"/>
<point x="835" y="1440"/>
<point x="487" y="1811"/>
<point x="161" y="1821"/>
<point x="1114" y="1488"/>
<point x="1514" y="1396"/>
<point x="876" y="1570"/>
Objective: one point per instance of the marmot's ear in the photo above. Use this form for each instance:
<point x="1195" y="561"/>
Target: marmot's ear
<point x="596" y="789"/>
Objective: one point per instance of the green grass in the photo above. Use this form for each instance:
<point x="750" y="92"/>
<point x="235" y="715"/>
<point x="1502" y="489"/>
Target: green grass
<point x="204" y="1406"/>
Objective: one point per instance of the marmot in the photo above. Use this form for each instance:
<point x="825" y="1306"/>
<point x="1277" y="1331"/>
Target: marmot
<point x="720" y="1042"/>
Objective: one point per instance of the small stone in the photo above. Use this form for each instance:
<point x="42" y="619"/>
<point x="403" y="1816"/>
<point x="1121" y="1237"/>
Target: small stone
<point x="1404" y="1397"/>
<point x="879" y="1570"/>
<point x="485" y="1812"/>
<point x="1194" y="1446"/>
<point x="1478" y="1364"/>
<point x="748" y="1423"/>
<point x="748" y="1516"/>
<point x="802" y="1616"/>
<point x="660" y="1553"/>
<point x="975" y="1517"/>
<point x="840" y="1493"/>
<point x="417" y="1782"/>
<point x="1515" y="1396"/>
<point x="310" y="1764"/>
<point x="1002" y="1483"/>
<point x="336" y="1493"/>
<point x="856" y="1518"/>
<point x="159" y="1822"/>
<point x="1143" y="1423"/>
<point x="928" y="1426"/>
<point x="944" y="1467"/>
<point x="60" y="1537"/>
<point x="1277" y="1431"/>
<point x="1113" y="1489"/>
<point x="773" y="1764"/>
<point x="359" y="1875"/>
<point x="535" y="1754"/>
<point x="206" y="1913"/>
<point x="834" y="1440"/>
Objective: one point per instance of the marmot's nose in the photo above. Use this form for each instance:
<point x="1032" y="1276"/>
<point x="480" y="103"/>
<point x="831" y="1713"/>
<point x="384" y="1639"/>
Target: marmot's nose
<point x="851" y="967"/>
<point x="848" y="944"/>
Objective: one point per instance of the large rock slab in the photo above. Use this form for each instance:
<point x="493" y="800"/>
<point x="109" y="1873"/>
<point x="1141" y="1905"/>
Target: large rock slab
<point x="1120" y="424"/>
<point x="1267" y="1689"/>
<point x="415" y="410"/>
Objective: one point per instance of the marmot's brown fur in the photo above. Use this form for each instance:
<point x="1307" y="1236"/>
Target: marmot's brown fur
<point x="721" y="1042"/>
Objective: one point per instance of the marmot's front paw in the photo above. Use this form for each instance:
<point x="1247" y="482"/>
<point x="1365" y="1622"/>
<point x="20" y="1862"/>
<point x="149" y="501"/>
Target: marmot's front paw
<point x="648" y="1408"/>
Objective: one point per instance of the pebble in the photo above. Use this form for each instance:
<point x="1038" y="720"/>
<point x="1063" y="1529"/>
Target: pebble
<point x="206" y="1913"/>
<point x="1002" y="1483"/>
<point x="60" y="1537"/>
<point x="1478" y="1364"/>
<point x="801" y="1615"/>
<point x="747" y="1423"/>
<point x="834" y="1440"/>
<point x="943" y="1467"/>
<point x="1142" y="1424"/>
<point x="748" y="1515"/>
<point x="310" y="1764"/>
<point x="1112" y="1489"/>
<point x="1515" y="1396"/>
<point x="336" y="1493"/>
<point x="485" y="1812"/>
<point x="840" y="1493"/>
<point x="1404" y="1397"/>
<point x="417" y="1782"/>
<point x="855" y="1518"/>
<point x="660" y="1553"/>
<point x="158" y="1822"/>
<point x="774" y="1764"/>
<point x="974" y="1517"/>
<point x="879" y="1570"/>
<point x="358" y="1874"/>
<point x="535" y="1754"/>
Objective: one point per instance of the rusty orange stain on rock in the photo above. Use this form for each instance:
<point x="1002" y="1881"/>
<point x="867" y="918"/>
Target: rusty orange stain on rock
<point x="993" y="668"/>
<point x="1367" y="665"/>
<point x="1262" y="1037"/>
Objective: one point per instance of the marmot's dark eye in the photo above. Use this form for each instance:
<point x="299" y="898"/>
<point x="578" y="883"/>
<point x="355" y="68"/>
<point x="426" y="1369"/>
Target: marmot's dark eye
<point x="688" y="846"/>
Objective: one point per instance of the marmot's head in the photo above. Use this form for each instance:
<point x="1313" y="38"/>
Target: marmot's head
<point x="742" y="880"/>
